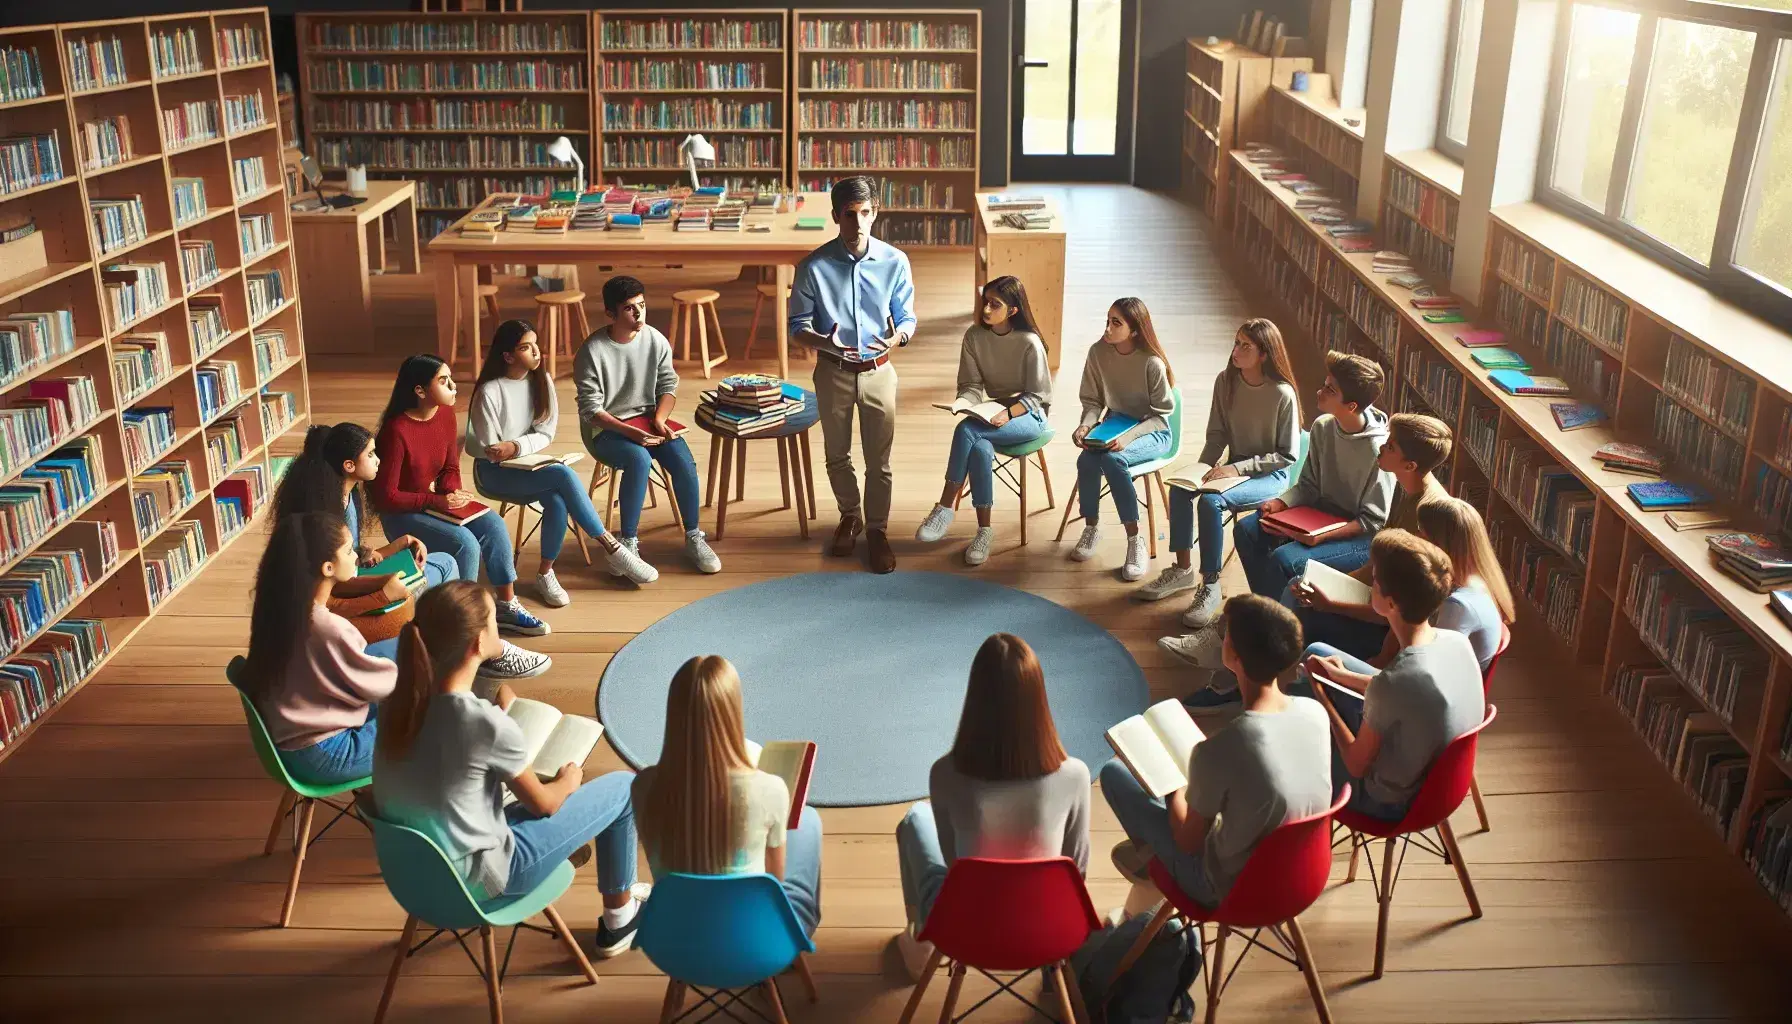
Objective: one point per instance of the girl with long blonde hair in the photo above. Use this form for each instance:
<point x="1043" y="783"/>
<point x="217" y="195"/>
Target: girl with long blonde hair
<point x="705" y="810"/>
<point x="445" y="757"/>
<point x="1480" y="607"/>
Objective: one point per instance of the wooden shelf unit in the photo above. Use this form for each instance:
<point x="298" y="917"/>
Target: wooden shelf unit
<point x="1421" y="192"/>
<point x="544" y="89"/>
<point x="747" y="122"/>
<point x="1226" y="105"/>
<point x="1588" y="576"/>
<point x="66" y="243"/>
<point x="1312" y="129"/>
<point x="831" y="90"/>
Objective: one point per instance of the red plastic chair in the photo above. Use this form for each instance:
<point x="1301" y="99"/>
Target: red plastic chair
<point x="1285" y="874"/>
<point x="1474" y="784"/>
<point x="1010" y="916"/>
<point x="1446" y="785"/>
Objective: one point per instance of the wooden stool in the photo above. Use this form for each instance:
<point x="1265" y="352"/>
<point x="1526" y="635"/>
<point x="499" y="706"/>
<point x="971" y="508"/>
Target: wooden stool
<point x="561" y="314"/>
<point x="486" y="297"/>
<point x="766" y="294"/>
<point x="688" y="307"/>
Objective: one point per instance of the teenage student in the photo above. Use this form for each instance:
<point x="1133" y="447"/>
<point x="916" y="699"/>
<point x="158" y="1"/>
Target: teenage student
<point x="514" y="412"/>
<point x="1480" y="607"/>
<point x="1254" y="425"/>
<point x="1126" y="373"/>
<point x="705" y="810"/>
<point x="847" y="294"/>
<point x="1416" y="445"/>
<point x="1003" y="360"/>
<point x="445" y="758"/>
<point x="1006" y="788"/>
<point x="1389" y="724"/>
<point x="1267" y="766"/>
<point x="624" y="372"/>
<point x="310" y="672"/>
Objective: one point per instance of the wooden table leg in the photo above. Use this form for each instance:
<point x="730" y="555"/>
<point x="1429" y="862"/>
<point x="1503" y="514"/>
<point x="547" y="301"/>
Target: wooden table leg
<point x="709" y="481"/>
<point x="781" y="313"/>
<point x="404" y="219"/>
<point x="808" y="472"/>
<point x="798" y="472"/>
<point x="784" y="472"/>
<point x="467" y="287"/>
<point x="447" y="304"/>
<point x="722" y="492"/>
<point x="740" y="470"/>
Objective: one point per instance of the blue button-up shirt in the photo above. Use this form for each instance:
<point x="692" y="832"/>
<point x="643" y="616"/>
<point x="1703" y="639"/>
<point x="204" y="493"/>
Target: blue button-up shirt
<point x="859" y="295"/>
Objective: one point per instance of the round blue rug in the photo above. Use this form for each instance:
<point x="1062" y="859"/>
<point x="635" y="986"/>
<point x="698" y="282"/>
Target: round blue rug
<point x="872" y="668"/>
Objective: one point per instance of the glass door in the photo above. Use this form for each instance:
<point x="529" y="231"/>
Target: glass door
<point x="1073" y="87"/>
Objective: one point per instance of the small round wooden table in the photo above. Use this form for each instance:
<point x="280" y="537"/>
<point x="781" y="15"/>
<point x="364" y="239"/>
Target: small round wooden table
<point x="728" y="453"/>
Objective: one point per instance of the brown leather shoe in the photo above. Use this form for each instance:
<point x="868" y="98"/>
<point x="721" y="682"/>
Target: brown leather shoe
<point x="846" y="535"/>
<point x="878" y="555"/>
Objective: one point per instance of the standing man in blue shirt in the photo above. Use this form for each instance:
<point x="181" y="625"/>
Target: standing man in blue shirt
<point x="853" y="302"/>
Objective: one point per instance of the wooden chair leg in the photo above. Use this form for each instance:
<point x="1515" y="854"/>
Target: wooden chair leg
<point x="1310" y="970"/>
<point x="1150" y="519"/>
<point x="1045" y="473"/>
<point x="1216" y="973"/>
<point x="610" y="498"/>
<point x="280" y="812"/>
<point x="516" y="537"/>
<point x="802" y="971"/>
<point x="494" y="995"/>
<point x="1078" y="1008"/>
<point x="715" y="317"/>
<point x="674" y="1001"/>
<point x="551" y="319"/>
<point x="398" y="959"/>
<point x="1023" y="500"/>
<point x="1474" y="792"/>
<point x="674" y="337"/>
<point x="1356" y="853"/>
<point x="952" y="994"/>
<point x="696" y="313"/>
<point x="914" y="998"/>
<point x="1468" y="884"/>
<point x="571" y="944"/>
<point x="306" y="808"/>
<point x="1384" y="897"/>
<point x="771" y="996"/>
<point x="1062" y="991"/>
<point x="573" y="343"/>
<point x="1165" y="911"/>
<point x="1064" y="524"/>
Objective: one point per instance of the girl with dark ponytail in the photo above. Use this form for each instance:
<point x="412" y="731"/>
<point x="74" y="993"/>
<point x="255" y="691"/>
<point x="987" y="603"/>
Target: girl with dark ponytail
<point x="446" y="756"/>
<point x="310" y="673"/>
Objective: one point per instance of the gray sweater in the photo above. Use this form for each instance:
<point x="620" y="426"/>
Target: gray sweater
<point x="503" y="410"/>
<point x="1021" y="819"/>
<point x="1137" y="385"/>
<point x="1256" y="428"/>
<point x="1340" y="475"/>
<point x="1011" y="365"/>
<point x="623" y="380"/>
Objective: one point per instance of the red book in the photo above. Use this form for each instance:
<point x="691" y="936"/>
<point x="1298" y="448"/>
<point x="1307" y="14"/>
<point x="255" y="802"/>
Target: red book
<point x="459" y="516"/>
<point x="1305" y="520"/>
<point x="644" y="422"/>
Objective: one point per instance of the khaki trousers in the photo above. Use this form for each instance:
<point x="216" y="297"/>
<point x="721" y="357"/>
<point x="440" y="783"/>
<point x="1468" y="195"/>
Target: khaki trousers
<point x="872" y="394"/>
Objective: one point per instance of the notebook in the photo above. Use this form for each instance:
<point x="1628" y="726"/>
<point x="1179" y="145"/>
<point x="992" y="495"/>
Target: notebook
<point x="1480" y="338"/>
<point x="1305" y="520"/>
<point x="790" y="760"/>
<point x="1190" y="477"/>
<point x="1453" y="316"/>
<point x="1111" y="426"/>
<point x="1517" y="382"/>
<point x="1499" y="359"/>
<point x="1659" y="495"/>
<point x="1157" y="746"/>
<point x="402" y="562"/>
<point x="458" y="516"/>
<point x="645" y="422"/>
<point x="1340" y="588"/>
<point x="1575" y="415"/>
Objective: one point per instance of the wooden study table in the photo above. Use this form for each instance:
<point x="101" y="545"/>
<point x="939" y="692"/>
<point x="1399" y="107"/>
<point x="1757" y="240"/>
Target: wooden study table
<point x="458" y="260"/>
<point x="338" y="249"/>
<point x="1034" y="256"/>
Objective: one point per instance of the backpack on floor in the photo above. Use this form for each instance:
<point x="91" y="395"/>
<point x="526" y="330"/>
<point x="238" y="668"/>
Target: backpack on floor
<point x="1155" y="990"/>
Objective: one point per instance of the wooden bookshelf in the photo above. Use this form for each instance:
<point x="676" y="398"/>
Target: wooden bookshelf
<point x="665" y="74"/>
<point x="1704" y="383"/>
<point x="1325" y="138"/>
<point x="1421" y="192"/>
<point x="222" y="58"/>
<point x="1226" y="105"/>
<point x="465" y="103"/>
<point x="856" y="68"/>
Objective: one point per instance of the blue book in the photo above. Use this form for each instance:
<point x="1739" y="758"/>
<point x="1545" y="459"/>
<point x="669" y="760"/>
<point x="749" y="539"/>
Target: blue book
<point x="1111" y="426"/>
<point x="1517" y="382"/>
<point x="1657" y="495"/>
<point x="1575" y="415"/>
<point x="625" y="220"/>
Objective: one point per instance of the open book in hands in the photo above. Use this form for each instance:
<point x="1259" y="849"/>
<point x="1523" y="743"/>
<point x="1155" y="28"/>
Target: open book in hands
<point x="551" y="738"/>
<point x="790" y="760"/>
<point x="539" y="460"/>
<point x="1192" y="476"/>
<point x="986" y="411"/>
<point x="1157" y="746"/>
<point x="1338" y="587"/>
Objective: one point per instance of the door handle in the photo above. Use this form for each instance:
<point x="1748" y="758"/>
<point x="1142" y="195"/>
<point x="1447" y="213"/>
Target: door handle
<point x="1025" y="63"/>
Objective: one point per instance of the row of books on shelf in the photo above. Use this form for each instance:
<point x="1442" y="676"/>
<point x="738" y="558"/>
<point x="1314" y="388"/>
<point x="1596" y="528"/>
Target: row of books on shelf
<point x="757" y="151"/>
<point x="248" y="176"/>
<point x="1708" y="650"/>
<point x="47" y="583"/>
<point x="21" y="74"/>
<point x="447" y="35"/>
<point x="106" y="141"/>
<point x="691" y="113"/>
<point x="271" y="352"/>
<point x="1434" y="379"/>
<point x="1690" y="742"/>
<point x="1555" y="501"/>
<point x="485" y="151"/>
<point x="866" y="114"/>
<point x="884" y="34"/>
<point x="1528" y="266"/>
<point x="921" y="153"/>
<point x="148" y="434"/>
<point x="95" y="62"/>
<point x="49" y="493"/>
<point x="620" y="33"/>
<point x="1430" y="207"/>
<point x="118" y="223"/>
<point x="886" y="73"/>
<point x="1522" y="318"/>
<point x="925" y="229"/>
<point x="189" y="199"/>
<point x="686" y="73"/>
<point x="1592" y="309"/>
<point x="243" y="112"/>
<point x="172" y="558"/>
<point x="241" y="44"/>
<point x="198" y="262"/>
<point x="439" y="115"/>
<point x="1551" y="582"/>
<point x="140" y="363"/>
<point x="46" y="671"/>
<point x="1697" y="446"/>
<point x="191" y="123"/>
<point x="226" y="441"/>
<point x="1767" y="846"/>
<point x="29" y="340"/>
<point x="1724" y="394"/>
<point x="160" y="492"/>
<point x="1436" y="255"/>
<point x="132" y="290"/>
<point x="218" y="385"/>
<point x="176" y="51"/>
<point x="449" y="75"/>
<point x="53" y="409"/>
<point x="239" y="497"/>
<point x="205" y="324"/>
<point x="895" y="196"/>
<point x="1583" y="364"/>
<point x="29" y="160"/>
<point x="256" y="234"/>
<point x="267" y="292"/>
<point x="278" y="411"/>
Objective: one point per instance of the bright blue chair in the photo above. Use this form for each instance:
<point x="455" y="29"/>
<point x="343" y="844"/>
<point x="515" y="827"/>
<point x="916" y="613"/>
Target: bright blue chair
<point x="728" y="934"/>
<point x="424" y="882"/>
<point x="1153" y="474"/>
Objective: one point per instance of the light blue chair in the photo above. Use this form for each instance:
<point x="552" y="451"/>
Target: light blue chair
<point x="431" y="891"/>
<point x="728" y="934"/>
<point x="1011" y="456"/>
<point x="1153" y="474"/>
<point x="1300" y="461"/>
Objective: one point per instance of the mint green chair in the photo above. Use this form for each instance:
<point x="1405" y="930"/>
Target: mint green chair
<point x="424" y="882"/>
<point x="1007" y="459"/>
<point x="1151" y="472"/>
<point x="300" y="799"/>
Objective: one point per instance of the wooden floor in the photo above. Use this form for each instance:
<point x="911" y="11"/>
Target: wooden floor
<point x="132" y="889"/>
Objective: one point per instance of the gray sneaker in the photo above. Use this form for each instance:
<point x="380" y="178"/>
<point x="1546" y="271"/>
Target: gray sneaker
<point x="1085" y="544"/>
<point x="1200" y="648"/>
<point x="1204" y="610"/>
<point x="633" y="546"/>
<point x="977" y="552"/>
<point x="702" y="556"/>
<point x="1132" y="861"/>
<point x="1138" y="559"/>
<point x="515" y="663"/>
<point x="1172" y="580"/>
<point x="552" y="594"/>
<point x="626" y="561"/>
<point x="934" y="527"/>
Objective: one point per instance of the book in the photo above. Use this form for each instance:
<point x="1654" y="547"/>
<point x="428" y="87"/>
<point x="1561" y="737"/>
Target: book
<point x="1756" y="550"/>
<point x="538" y="460"/>
<point x="790" y="760"/>
<point x="985" y="411"/>
<point x="1439" y="302"/>
<point x="1517" y="382"/>
<point x="1696" y="520"/>
<point x="1480" y="338"/>
<point x="810" y="223"/>
<point x="1574" y="415"/>
<point x="1341" y="588"/>
<point x="1499" y="359"/>
<point x="1408" y="280"/>
<point x="1111" y="426"/>
<point x="458" y="516"/>
<point x="1157" y="745"/>
<point x="1622" y="453"/>
<point x="1781" y="603"/>
<point x="1660" y="495"/>
<point x="1453" y="316"/>
<point x="402" y="563"/>
<point x="1191" y="476"/>
<point x="551" y="738"/>
<point x="1304" y="521"/>
<point x="645" y="422"/>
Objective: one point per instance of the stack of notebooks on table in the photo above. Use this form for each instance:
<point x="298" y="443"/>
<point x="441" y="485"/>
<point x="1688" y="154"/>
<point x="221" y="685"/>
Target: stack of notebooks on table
<point x="707" y="197"/>
<point x="764" y="206"/>
<point x="482" y="224"/>
<point x="1761" y="563"/>
<point x="696" y="219"/>
<point x="656" y="209"/>
<point x="521" y="217"/>
<point x="553" y="220"/>
<point x="730" y="216"/>
<point x="1003" y="202"/>
<point x="626" y="224"/>
<point x="590" y="214"/>
<point x="1518" y="382"/>
<point x="619" y="200"/>
<point x="1030" y="220"/>
<point x="1630" y="458"/>
<point x="749" y="403"/>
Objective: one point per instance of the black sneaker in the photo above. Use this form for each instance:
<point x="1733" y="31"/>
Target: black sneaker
<point x="613" y="942"/>
<point x="1210" y="699"/>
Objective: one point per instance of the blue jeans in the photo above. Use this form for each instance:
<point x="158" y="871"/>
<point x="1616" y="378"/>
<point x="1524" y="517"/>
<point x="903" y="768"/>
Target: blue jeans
<point x="387" y="649"/>
<point x="1271" y="561"/>
<point x="635" y="462"/>
<point x="1342" y="633"/>
<point x="1186" y="507"/>
<point x="600" y="810"/>
<point x="1093" y="467"/>
<point x="974" y="444"/>
<point x="1147" y="823"/>
<point x="555" y="488"/>
<point x="438" y="567"/>
<point x="922" y="862"/>
<point x="802" y="870"/>
<point x="1350" y="709"/>
<point x="482" y="540"/>
<point x="344" y="757"/>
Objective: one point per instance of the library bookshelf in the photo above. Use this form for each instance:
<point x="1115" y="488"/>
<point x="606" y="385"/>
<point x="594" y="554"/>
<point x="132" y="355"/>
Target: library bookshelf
<point x="151" y="359"/>
<point x="465" y="103"/>
<point x="1420" y="194"/>
<point x="665" y="74"/>
<point x="1318" y="133"/>
<point x="1692" y="657"/>
<point x="894" y="94"/>
<point x="1226" y="106"/>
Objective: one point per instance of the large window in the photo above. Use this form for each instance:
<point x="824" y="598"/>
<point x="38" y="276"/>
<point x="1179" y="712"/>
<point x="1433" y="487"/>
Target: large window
<point x="1671" y="126"/>
<point x="1459" y="79"/>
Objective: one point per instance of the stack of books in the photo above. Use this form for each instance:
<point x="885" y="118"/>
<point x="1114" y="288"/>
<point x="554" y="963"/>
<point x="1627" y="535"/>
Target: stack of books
<point x="589" y="213"/>
<point x="482" y="224"/>
<point x="553" y="220"/>
<point x="1030" y="220"/>
<point x="1517" y="382"/>
<point x="707" y="197"/>
<point x="730" y="216"/>
<point x="696" y="219"/>
<point x="1005" y="203"/>
<point x="747" y="404"/>
<point x="764" y="206"/>
<point x="1761" y="563"/>
<point x="1389" y="261"/>
<point x="1630" y="458"/>
<point x="626" y="224"/>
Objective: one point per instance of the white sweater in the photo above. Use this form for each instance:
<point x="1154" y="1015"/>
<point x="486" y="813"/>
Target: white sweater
<point x="502" y="410"/>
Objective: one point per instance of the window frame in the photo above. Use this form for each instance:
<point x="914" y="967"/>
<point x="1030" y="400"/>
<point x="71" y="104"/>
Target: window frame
<point x="1457" y="151"/>
<point x="1724" y="275"/>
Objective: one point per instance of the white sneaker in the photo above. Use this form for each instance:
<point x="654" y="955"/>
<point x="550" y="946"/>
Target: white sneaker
<point x="699" y="552"/>
<point x="626" y="561"/>
<point x="1085" y="545"/>
<point x="1204" y="610"/>
<point x="1138" y="559"/>
<point x="515" y="663"/>
<point x="934" y="527"/>
<point x="1172" y="580"/>
<point x="1132" y="861"/>
<point x="914" y="953"/>
<point x="552" y="594"/>
<point x="1200" y="648"/>
<point x="978" y="551"/>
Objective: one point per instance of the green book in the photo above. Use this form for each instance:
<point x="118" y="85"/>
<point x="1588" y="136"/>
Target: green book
<point x="810" y="223"/>
<point x="1452" y="316"/>
<point x="1499" y="359"/>
<point x="564" y="195"/>
<point x="402" y="562"/>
